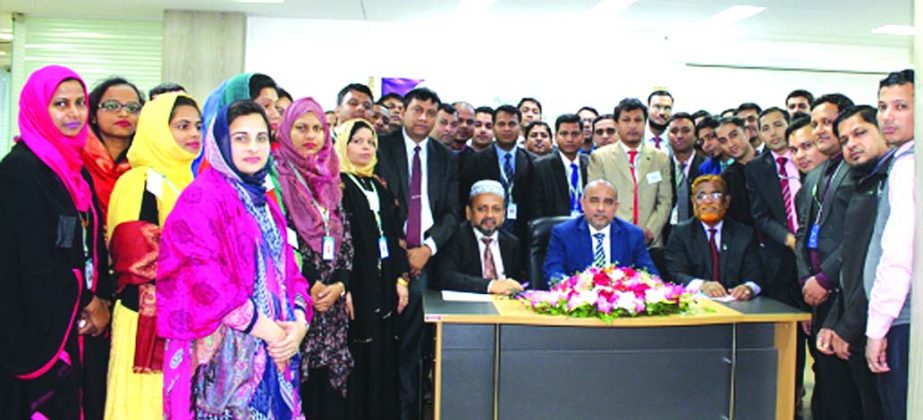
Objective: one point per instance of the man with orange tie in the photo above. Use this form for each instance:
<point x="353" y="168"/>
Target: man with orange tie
<point x="639" y="172"/>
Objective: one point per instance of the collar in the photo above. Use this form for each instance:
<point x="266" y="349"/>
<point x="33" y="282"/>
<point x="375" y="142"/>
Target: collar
<point x="409" y="144"/>
<point x="717" y="227"/>
<point x="787" y="155"/>
<point x="604" y="230"/>
<point x="688" y="161"/>
<point x="478" y="235"/>
<point x="567" y="161"/>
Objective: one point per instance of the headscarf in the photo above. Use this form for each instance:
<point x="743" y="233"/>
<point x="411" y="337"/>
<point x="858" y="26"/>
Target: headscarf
<point x="321" y="172"/>
<point x="237" y="88"/>
<point x="40" y="134"/>
<point x="218" y="153"/>
<point x="154" y="148"/>
<point x="347" y="130"/>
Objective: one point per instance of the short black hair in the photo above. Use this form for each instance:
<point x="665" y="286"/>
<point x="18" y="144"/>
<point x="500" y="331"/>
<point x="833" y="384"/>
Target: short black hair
<point x="165" y="87"/>
<point x="774" y="109"/>
<point x="390" y="95"/>
<point x="868" y="114"/>
<point x="840" y="100"/>
<point x="484" y="110"/>
<point x="800" y="120"/>
<point x="284" y="94"/>
<point x="747" y="106"/>
<point x="532" y="125"/>
<point x="246" y="107"/>
<point x="358" y="87"/>
<point x="738" y="122"/>
<point x="733" y="111"/>
<point x="800" y="114"/>
<point x="588" y="108"/>
<point x="448" y="109"/>
<point x="708" y="122"/>
<point x="659" y="92"/>
<point x="183" y="101"/>
<point x="897" y="78"/>
<point x="567" y="118"/>
<point x="699" y="114"/>
<point x="96" y="95"/>
<point x="527" y="99"/>
<point x="800" y="93"/>
<point x="422" y="94"/>
<point x="260" y="81"/>
<point x="681" y="116"/>
<point x="603" y="117"/>
<point x="509" y="109"/>
<point x="629" y="104"/>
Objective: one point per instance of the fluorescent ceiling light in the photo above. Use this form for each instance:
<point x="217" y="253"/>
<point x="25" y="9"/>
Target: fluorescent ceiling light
<point x="3" y="54"/>
<point x="6" y="37"/>
<point x="608" y="8"/>
<point x="734" y="14"/>
<point x="905" y="30"/>
<point x="475" y="6"/>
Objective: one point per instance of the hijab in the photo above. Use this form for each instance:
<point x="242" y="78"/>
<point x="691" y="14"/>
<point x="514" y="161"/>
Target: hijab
<point x="347" y="130"/>
<point x="218" y="153"/>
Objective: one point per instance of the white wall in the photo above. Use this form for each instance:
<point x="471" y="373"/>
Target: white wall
<point x="485" y="64"/>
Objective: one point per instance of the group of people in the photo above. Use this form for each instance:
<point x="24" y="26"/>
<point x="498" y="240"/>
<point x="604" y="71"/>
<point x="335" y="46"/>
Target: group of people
<point x="259" y="257"/>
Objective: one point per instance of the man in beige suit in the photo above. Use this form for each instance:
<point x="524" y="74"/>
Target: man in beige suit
<point x="639" y="172"/>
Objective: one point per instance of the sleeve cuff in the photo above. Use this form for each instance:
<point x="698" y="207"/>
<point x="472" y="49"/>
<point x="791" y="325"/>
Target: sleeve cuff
<point x="341" y="276"/>
<point x="695" y="285"/>
<point x="878" y="325"/>
<point x="823" y="280"/>
<point x="253" y="318"/>
<point x="431" y="243"/>
<point x="754" y="287"/>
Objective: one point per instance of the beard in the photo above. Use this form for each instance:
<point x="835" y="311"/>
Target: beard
<point x="711" y="217"/>
<point x="487" y="230"/>
<point x="658" y="127"/>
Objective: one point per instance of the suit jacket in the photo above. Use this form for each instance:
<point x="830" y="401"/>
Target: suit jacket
<point x="485" y="165"/>
<point x="697" y="160"/>
<point x="736" y="180"/>
<point x="655" y="195"/>
<point x="570" y="249"/>
<point x="442" y="181"/>
<point x="551" y="187"/>
<point x="768" y="210"/>
<point x="835" y="201"/>
<point x="459" y="265"/>
<point x="689" y="255"/>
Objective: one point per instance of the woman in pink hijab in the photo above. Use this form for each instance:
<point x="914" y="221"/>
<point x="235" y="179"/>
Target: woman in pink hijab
<point x="53" y="261"/>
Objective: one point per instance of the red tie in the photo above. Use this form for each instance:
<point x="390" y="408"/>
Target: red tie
<point x="632" y="154"/>
<point x="786" y="195"/>
<point x="657" y="142"/>
<point x="490" y="269"/>
<point x="715" y="262"/>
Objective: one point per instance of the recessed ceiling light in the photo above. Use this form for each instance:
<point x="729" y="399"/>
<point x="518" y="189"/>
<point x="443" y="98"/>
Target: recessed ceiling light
<point x="905" y="30"/>
<point x="734" y="14"/>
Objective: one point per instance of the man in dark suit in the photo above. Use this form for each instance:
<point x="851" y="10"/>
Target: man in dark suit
<point x="422" y="175"/>
<point x="560" y="177"/>
<point x="597" y="238"/>
<point x="828" y="187"/>
<point x="481" y="258"/>
<point x="507" y="164"/>
<point x="711" y="254"/>
<point x="684" y="168"/>
<point x="736" y="148"/>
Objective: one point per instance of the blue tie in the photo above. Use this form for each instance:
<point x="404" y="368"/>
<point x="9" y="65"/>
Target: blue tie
<point x="599" y="254"/>
<point x="574" y="188"/>
<point x="508" y="169"/>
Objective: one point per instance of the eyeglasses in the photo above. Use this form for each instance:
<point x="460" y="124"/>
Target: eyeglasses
<point x="704" y="196"/>
<point x="601" y="131"/>
<point x="115" y="106"/>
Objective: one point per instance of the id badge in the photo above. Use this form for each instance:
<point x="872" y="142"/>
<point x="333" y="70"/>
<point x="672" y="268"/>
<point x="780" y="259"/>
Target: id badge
<point x="292" y="237"/>
<point x="328" y="248"/>
<point x="511" y="212"/>
<point x="383" y="247"/>
<point x="88" y="271"/>
<point x="812" y="237"/>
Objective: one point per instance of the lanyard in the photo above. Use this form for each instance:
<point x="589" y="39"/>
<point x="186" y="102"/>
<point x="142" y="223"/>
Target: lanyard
<point x="372" y="198"/>
<point x="324" y="213"/>
<point x="820" y="203"/>
<point x="88" y="268"/>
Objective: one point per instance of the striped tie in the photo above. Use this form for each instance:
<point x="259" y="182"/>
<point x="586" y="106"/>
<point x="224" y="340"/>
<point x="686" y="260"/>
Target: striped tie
<point x="787" y="195"/>
<point x="599" y="254"/>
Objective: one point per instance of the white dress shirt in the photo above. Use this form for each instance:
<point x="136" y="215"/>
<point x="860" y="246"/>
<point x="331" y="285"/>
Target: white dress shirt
<point x="696" y="284"/>
<point x="607" y="245"/>
<point x="494" y="249"/>
<point x="567" y="169"/>
<point x="426" y="218"/>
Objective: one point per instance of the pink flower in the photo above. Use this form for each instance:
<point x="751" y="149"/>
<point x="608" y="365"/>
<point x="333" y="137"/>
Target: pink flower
<point x="604" y="305"/>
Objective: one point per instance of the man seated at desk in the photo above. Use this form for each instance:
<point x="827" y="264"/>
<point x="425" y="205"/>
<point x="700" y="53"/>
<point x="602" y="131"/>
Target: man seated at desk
<point x="480" y="257"/>
<point x="699" y="245"/>
<point x="596" y="238"/>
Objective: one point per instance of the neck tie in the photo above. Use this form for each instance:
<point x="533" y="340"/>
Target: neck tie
<point x="416" y="201"/>
<point x="599" y="253"/>
<point x="632" y="154"/>
<point x="574" y="187"/>
<point x="682" y="194"/>
<point x="507" y="170"/>
<point x="787" y="196"/>
<point x="715" y="261"/>
<point x="490" y="268"/>
<point x="657" y="142"/>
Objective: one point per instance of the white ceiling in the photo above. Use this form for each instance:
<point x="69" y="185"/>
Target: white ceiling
<point x="833" y="21"/>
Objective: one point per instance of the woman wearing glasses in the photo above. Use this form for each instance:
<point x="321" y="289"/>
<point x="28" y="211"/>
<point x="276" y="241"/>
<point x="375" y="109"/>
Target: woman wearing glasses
<point x="114" y="106"/>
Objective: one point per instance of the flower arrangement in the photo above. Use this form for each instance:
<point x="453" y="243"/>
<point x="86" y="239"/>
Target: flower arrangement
<point x="610" y="292"/>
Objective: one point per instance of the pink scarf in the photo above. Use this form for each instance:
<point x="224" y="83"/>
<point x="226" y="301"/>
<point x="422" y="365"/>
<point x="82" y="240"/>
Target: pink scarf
<point x="61" y="153"/>
<point x="321" y="172"/>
